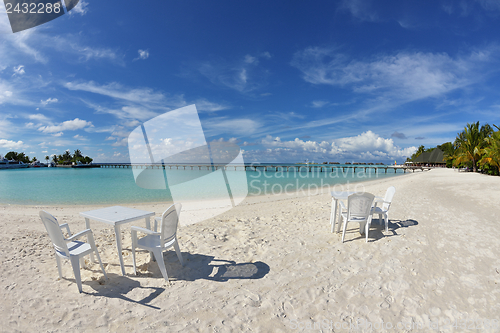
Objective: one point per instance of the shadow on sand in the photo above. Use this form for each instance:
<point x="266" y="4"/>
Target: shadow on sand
<point x="377" y="230"/>
<point x="200" y="266"/>
<point x="196" y="266"/>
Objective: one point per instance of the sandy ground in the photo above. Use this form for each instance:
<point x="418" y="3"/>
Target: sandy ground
<point x="272" y="265"/>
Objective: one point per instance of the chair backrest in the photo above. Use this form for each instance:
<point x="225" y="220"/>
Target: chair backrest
<point x="169" y="222"/>
<point x="359" y="205"/>
<point x="389" y="194"/>
<point x="55" y="233"/>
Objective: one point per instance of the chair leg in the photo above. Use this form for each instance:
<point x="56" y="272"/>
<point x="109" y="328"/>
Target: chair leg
<point x="134" y="240"/>
<point x="331" y="213"/>
<point x="178" y="252"/>
<point x="75" y="263"/>
<point x="386" y="220"/>
<point x="58" y="260"/>
<point x="343" y="231"/>
<point x="161" y="264"/>
<point x="332" y="219"/>
<point x="368" y="224"/>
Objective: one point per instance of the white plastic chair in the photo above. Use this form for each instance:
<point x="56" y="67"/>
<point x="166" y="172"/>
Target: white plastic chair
<point x="157" y="242"/>
<point x="384" y="210"/>
<point x="359" y="207"/>
<point x="70" y="248"/>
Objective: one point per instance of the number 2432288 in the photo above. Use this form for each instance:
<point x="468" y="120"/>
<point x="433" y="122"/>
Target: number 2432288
<point x="33" y="8"/>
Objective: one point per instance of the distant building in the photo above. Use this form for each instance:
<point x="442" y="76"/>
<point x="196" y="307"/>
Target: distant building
<point x="432" y="158"/>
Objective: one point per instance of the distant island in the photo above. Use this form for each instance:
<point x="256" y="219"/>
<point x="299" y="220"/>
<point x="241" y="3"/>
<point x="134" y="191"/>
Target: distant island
<point x="62" y="159"/>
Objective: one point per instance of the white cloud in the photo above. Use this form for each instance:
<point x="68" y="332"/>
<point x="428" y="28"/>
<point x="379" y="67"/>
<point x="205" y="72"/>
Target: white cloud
<point x="402" y="77"/>
<point x="127" y="112"/>
<point x="35" y="45"/>
<point x="360" y="9"/>
<point x="120" y="143"/>
<point x="116" y="90"/>
<point x="5" y="94"/>
<point x="242" y="126"/>
<point x="132" y="123"/>
<point x="266" y="55"/>
<point x="204" y="105"/>
<point x="19" y="70"/>
<point x="143" y="54"/>
<point x="319" y="104"/>
<point x="141" y="103"/>
<point x="80" y="8"/>
<point x="69" y="125"/>
<point x="38" y="117"/>
<point x="297" y="144"/>
<point x="48" y="101"/>
<point x="243" y="75"/>
<point x="87" y="53"/>
<point x="249" y="59"/>
<point x="366" y="146"/>
<point x="9" y="144"/>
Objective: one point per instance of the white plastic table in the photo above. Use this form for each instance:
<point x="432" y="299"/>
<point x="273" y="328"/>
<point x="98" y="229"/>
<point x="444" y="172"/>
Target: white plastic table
<point x="116" y="216"/>
<point x="336" y="196"/>
<point x="342" y="195"/>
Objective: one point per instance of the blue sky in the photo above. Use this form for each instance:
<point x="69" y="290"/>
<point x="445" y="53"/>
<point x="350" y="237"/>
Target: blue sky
<point x="337" y="81"/>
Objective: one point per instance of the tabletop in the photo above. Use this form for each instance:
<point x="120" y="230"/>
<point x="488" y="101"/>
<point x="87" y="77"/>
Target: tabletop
<point x="342" y="195"/>
<point x="116" y="214"/>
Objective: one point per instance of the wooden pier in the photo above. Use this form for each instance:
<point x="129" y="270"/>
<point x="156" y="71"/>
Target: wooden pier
<point x="259" y="167"/>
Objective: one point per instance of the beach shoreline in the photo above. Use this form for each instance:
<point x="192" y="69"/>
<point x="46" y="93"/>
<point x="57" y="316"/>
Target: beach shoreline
<point x="439" y="261"/>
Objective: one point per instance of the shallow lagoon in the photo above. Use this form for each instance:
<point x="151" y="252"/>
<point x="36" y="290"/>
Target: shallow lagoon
<point x="117" y="185"/>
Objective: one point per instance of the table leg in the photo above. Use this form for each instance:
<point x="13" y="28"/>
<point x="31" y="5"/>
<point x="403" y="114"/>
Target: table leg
<point x="118" y="235"/>
<point x="148" y="226"/>
<point x="87" y="226"/>
<point x="333" y="214"/>
<point x="339" y="216"/>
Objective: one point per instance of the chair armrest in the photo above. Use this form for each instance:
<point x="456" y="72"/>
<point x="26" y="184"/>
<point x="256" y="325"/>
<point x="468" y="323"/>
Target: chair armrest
<point x="80" y="234"/>
<point x="65" y="225"/>
<point x="377" y="210"/>
<point x="144" y="230"/>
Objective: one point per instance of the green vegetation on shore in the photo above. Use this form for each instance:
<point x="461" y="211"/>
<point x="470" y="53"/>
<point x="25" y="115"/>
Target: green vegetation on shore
<point x="21" y="157"/>
<point x="476" y="147"/>
<point x="65" y="159"/>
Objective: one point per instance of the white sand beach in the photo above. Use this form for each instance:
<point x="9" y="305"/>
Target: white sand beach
<point x="272" y="265"/>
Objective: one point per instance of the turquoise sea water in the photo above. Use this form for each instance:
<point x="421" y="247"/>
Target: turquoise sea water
<point x="117" y="186"/>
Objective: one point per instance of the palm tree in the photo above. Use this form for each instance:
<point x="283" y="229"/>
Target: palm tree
<point x="419" y="151"/>
<point x="492" y="150"/>
<point x="449" y="153"/>
<point x="77" y="155"/>
<point x="470" y="142"/>
<point x="67" y="156"/>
